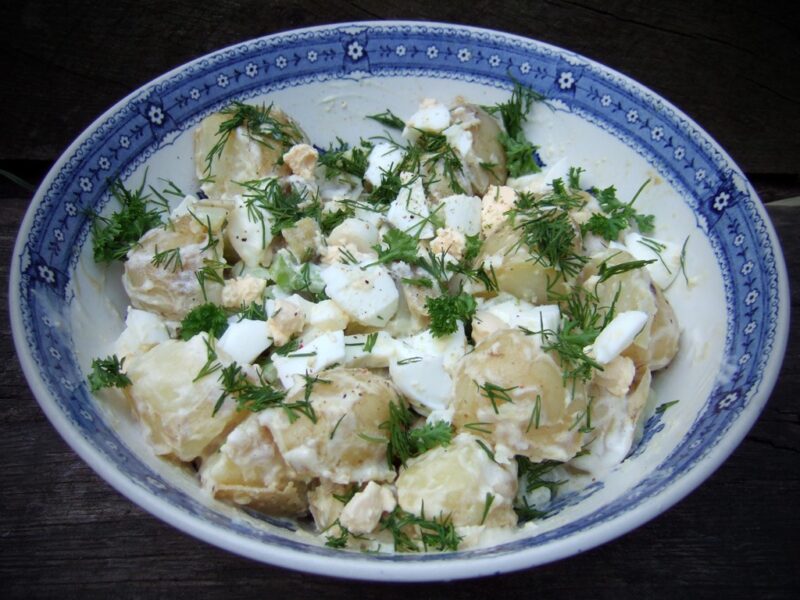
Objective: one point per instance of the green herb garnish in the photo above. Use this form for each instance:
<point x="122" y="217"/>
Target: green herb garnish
<point x="520" y="153"/>
<point x="445" y="312"/>
<point x="114" y="236"/>
<point x="436" y="534"/>
<point x="260" y="125"/>
<point x="389" y="119"/>
<point x="618" y="215"/>
<point x="107" y="372"/>
<point x="207" y="317"/>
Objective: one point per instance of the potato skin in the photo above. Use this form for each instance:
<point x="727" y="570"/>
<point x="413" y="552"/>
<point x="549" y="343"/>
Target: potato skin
<point x="171" y="289"/>
<point x="511" y="360"/>
<point x="516" y="269"/>
<point x="242" y="158"/>
<point x="454" y="481"/>
<point x="657" y="344"/>
<point x="249" y="470"/>
<point x="343" y="445"/>
<point x="175" y="409"/>
<point x="486" y="149"/>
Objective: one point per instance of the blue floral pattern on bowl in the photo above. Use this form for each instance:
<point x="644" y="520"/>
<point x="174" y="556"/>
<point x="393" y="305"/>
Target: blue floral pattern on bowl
<point x="726" y="210"/>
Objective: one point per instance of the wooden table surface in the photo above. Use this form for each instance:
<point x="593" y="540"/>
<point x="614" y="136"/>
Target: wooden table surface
<point x="734" y="67"/>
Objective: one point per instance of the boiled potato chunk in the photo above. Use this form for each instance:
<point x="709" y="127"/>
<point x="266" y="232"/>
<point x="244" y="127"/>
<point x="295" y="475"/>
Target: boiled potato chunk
<point x="519" y="272"/>
<point x="248" y="469"/>
<point x="169" y="286"/>
<point x="323" y="505"/>
<point x="176" y="410"/>
<point x="536" y="415"/>
<point x="665" y="334"/>
<point x="615" y="420"/>
<point x="455" y="481"/>
<point x="486" y="147"/>
<point x="246" y="155"/>
<point x="657" y="343"/>
<point x="342" y="443"/>
<point x="481" y="160"/>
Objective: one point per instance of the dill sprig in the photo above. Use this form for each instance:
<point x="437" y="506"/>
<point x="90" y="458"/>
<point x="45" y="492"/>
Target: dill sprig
<point x="169" y="260"/>
<point x="371" y="340"/>
<point x="260" y="124"/>
<point x="338" y="541"/>
<point x="347" y="495"/>
<point x="526" y="512"/>
<point x="663" y="407"/>
<point x="435" y="534"/>
<point x="434" y="150"/>
<point x="107" y="372"/>
<point x="291" y="346"/>
<point x="583" y="318"/>
<point x="429" y="436"/>
<point x="550" y="235"/>
<point x="403" y="442"/>
<point x="211" y="270"/>
<point x="254" y="397"/>
<point x="533" y="474"/>
<point x="254" y="311"/>
<point x="114" y="236"/>
<point x="285" y="206"/>
<point x="389" y="119"/>
<point x="495" y="393"/>
<point x="211" y="365"/>
<point x="342" y="159"/>
<point x="569" y="343"/>
<point x="487" y="505"/>
<point x="606" y="271"/>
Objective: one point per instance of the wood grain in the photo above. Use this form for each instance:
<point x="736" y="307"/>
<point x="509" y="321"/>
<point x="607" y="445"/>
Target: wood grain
<point x="732" y="67"/>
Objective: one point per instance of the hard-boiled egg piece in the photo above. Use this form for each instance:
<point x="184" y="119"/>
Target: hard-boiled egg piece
<point x="382" y="159"/>
<point x="618" y="335"/>
<point x="313" y="357"/>
<point x="367" y="294"/>
<point x="244" y="340"/>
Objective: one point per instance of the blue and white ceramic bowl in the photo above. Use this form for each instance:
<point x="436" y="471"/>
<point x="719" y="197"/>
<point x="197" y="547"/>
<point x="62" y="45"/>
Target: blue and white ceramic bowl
<point x="733" y="310"/>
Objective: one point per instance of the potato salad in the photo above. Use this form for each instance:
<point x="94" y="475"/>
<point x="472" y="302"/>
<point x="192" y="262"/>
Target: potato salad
<point x="408" y="342"/>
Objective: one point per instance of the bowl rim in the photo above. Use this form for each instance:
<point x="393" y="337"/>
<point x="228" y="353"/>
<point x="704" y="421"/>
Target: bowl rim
<point x="346" y="565"/>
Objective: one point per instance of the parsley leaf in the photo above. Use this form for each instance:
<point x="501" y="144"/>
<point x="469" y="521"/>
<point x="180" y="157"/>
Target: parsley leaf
<point x="618" y="215"/>
<point x="207" y="317"/>
<point x="445" y="312"/>
<point x="397" y="245"/>
<point x="107" y="372"/>
<point x="520" y="153"/>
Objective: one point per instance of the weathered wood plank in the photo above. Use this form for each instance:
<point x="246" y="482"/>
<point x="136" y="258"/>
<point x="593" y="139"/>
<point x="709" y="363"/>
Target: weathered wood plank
<point x="732" y="68"/>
